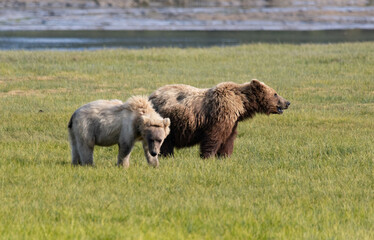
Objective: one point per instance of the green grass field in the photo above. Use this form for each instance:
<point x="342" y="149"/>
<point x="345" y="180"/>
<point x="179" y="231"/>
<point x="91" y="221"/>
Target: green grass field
<point x="306" y="174"/>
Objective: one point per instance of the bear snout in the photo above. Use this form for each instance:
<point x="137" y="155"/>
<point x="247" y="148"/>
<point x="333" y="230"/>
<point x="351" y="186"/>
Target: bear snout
<point x="153" y="153"/>
<point x="287" y="104"/>
<point x="282" y="106"/>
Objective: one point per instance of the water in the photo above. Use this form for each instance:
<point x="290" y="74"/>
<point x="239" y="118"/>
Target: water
<point x="80" y="25"/>
<point x="91" y="40"/>
<point x="288" y="17"/>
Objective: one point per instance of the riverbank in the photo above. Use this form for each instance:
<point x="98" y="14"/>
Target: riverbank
<point x="62" y="15"/>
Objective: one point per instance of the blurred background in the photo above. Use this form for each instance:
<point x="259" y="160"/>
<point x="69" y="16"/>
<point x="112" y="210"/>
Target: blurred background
<point x="93" y="24"/>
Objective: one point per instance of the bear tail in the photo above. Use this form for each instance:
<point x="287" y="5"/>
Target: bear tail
<point x="70" y="124"/>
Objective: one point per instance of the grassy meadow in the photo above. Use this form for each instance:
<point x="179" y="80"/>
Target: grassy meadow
<point x="306" y="174"/>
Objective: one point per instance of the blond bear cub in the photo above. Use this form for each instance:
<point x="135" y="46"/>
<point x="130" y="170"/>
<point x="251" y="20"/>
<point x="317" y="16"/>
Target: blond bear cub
<point x="105" y="123"/>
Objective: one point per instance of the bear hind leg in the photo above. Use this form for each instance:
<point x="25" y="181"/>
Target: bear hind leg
<point x="85" y="153"/>
<point x="75" y="158"/>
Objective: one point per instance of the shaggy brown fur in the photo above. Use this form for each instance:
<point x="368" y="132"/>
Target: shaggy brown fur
<point x="210" y="116"/>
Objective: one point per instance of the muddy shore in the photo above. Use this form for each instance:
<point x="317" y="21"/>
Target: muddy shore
<point x="167" y="15"/>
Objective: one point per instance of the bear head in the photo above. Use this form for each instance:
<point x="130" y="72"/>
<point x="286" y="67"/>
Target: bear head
<point x="154" y="132"/>
<point x="266" y="98"/>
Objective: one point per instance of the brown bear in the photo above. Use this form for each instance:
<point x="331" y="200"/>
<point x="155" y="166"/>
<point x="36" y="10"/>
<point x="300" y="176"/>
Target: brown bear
<point x="209" y="117"/>
<point x="106" y="123"/>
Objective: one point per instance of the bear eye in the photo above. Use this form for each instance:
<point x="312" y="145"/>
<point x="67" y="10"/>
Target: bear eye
<point x="275" y="95"/>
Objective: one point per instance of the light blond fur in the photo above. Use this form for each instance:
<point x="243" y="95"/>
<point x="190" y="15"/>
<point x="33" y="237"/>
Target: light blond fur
<point x="106" y="123"/>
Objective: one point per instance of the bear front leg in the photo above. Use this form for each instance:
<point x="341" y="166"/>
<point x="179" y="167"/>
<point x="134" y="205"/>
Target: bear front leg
<point x="153" y="161"/>
<point x="209" y="147"/>
<point x="124" y="152"/>
<point x="227" y="147"/>
<point x="167" y="148"/>
<point x="125" y="145"/>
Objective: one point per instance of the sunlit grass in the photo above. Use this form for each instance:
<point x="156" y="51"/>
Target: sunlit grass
<point x="307" y="174"/>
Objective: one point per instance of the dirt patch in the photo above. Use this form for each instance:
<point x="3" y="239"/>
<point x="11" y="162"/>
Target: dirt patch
<point x="44" y="78"/>
<point x="139" y="91"/>
<point x="20" y="79"/>
<point x="33" y="92"/>
<point x="15" y="92"/>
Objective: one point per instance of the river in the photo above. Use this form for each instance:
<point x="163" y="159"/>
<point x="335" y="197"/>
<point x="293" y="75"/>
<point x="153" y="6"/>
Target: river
<point x="91" y="40"/>
<point x="69" y="25"/>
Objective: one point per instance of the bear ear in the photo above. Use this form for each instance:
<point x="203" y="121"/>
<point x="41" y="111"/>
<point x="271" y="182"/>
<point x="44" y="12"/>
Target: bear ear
<point x="145" y="121"/>
<point x="256" y="84"/>
<point x="166" y="122"/>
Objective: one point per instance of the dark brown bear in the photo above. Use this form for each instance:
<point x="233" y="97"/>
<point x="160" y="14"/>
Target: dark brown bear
<point x="209" y="117"/>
